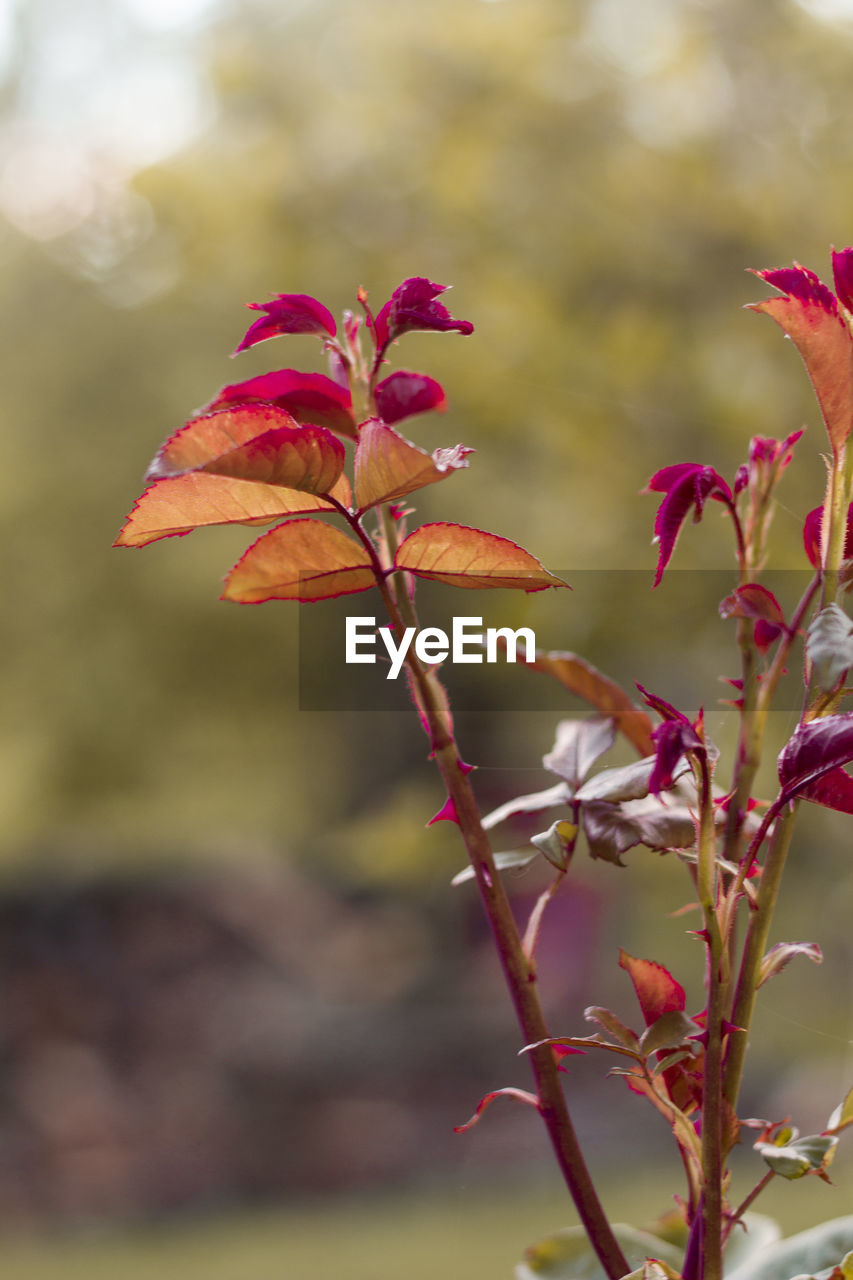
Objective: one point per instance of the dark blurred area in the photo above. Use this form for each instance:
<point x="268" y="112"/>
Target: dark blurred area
<point x="232" y="966"/>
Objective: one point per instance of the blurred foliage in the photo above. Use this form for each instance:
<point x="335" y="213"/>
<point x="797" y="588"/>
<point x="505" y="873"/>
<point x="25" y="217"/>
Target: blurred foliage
<point x="594" y="178"/>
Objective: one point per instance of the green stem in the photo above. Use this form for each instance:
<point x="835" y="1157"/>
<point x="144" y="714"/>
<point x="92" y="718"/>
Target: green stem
<point x="712" y="1109"/>
<point x="755" y="943"/>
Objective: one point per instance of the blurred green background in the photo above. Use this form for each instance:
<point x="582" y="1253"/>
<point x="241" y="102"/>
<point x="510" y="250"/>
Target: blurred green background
<point x="594" y="178"/>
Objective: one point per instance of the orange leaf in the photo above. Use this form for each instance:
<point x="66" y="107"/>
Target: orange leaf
<point x="464" y="557"/>
<point x="256" y="442"/>
<point x="178" y="504"/>
<point x="300" y="560"/>
<point x="810" y="316"/>
<point x="387" y="466"/>
<point x="585" y="680"/>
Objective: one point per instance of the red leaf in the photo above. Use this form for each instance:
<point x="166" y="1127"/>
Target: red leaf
<point x="403" y="394"/>
<point x="412" y="305"/>
<point x="657" y="990"/>
<point x="179" y="504"/>
<point x="464" y="557"/>
<point x="302" y="560"/>
<point x="808" y="313"/>
<point x="812" y="533"/>
<point x="753" y="600"/>
<point x="288" y="313"/>
<point x="815" y="750"/>
<point x="254" y="442"/>
<point x="686" y="485"/>
<point x="308" y="397"/>
<point x="842" y="274"/>
<point x="387" y="466"/>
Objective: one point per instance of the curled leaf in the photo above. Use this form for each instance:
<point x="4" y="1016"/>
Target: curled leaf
<point x="288" y="313"/>
<point x="686" y="485"/>
<point x="782" y="954"/>
<point x="842" y="1116"/>
<point x="519" y="1095"/>
<point x="557" y="843"/>
<point x="465" y="557"/>
<point x="411" y="306"/>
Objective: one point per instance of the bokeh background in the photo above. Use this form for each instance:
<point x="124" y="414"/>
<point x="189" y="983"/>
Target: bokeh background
<point x="242" y="1006"/>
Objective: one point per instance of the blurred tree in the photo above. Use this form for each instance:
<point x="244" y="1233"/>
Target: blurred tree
<point x="594" y="179"/>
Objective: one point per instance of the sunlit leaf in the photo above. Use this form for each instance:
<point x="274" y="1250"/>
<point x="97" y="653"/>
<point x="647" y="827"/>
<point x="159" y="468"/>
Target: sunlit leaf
<point x="388" y="467"/>
<point x="179" y="504"/>
<point x="254" y="442"/>
<point x="403" y="394"/>
<point x="809" y="314"/>
<point x="300" y="560"/>
<point x="308" y="397"/>
<point x="464" y="557"/>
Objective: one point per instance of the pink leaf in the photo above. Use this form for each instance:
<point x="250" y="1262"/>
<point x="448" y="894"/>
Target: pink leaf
<point x="812" y="535"/>
<point x="308" y="397"/>
<point x="412" y="305"/>
<point x="752" y="600"/>
<point x="842" y="274"/>
<point x="403" y="394"/>
<point x="464" y="557"/>
<point x="288" y="313"/>
<point x="302" y="560"/>
<point x="686" y="485"/>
